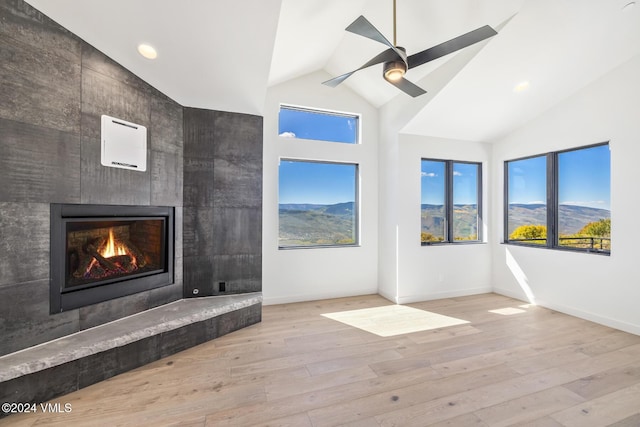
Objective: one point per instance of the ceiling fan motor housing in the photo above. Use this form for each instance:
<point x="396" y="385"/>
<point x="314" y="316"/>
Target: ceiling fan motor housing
<point x="394" y="70"/>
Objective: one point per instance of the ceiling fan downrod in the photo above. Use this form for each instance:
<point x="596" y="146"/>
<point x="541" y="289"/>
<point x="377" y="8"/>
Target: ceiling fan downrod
<point x="395" y="43"/>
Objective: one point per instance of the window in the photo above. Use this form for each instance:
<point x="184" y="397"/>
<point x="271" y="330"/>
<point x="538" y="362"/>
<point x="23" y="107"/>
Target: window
<point x="560" y="200"/>
<point x="317" y="204"/>
<point x="450" y="201"/>
<point x="306" y="123"/>
<point x="527" y="212"/>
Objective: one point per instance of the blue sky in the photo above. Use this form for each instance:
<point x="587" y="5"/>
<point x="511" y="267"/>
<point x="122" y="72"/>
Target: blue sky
<point x="465" y="183"/>
<point x="312" y="125"/>
<point x="317" y="183"/>
<point x="528" y="181"/>
<point x="432" y="177"/>
<point x="583" y="178"/>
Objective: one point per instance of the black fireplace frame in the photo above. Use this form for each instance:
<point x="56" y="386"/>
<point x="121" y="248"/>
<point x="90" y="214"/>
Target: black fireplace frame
<point x="63" y="299"/>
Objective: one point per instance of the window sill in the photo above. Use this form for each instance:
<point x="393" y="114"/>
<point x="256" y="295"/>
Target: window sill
<point x="457" y="243"/>
<point x="288" y="248"/>
<point x="561" y="249"/>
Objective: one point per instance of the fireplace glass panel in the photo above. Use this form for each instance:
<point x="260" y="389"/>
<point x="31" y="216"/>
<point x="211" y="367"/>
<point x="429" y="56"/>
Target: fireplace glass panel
<point x="106" y="251"/>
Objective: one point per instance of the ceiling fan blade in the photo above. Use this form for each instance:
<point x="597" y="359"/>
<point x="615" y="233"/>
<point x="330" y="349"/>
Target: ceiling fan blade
<point x="407" y="87"/>
<point x="362" y="27"/>
<point x="450" y="46"/>
<point x="387" y="55"/>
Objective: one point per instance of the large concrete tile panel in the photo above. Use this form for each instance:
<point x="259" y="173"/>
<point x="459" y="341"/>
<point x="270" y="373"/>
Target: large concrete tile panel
<point x="199" y="185"/>
<point x="237" y="231"/>
<point x="165" y="294"/>
<point x="24" y="316"/>
<point x="104" y="95"/>
<point x="23" y="23"/>
<point x="166" y="132"/>
<point x="178" y="230"/>
<point x="41" y="386"/>
<point x="24" y="245"/>
<point x="241" y="272"/>
<point x="173" y="341"/>
<point x="198" y="231"/>
<point x="38" y="164"/>
<point x="98" y="367"/>
<point x="166" y="178"/>
<point x="94" y="60"/>
<point x="238" y="136"/>
<point x="199" y="133"/>
<point x="38" y="87"/>
<point x="107" y="311"/>
<point x="198" y="274"/>
<point x="237" y="183"/>
<point x="238" y="319"/>
<point x="39" y="69"/>
<point x="178" y="274"/>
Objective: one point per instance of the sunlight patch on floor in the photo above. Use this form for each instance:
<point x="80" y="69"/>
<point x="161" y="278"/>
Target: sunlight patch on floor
<point x="508" y="311"/>
<point x="393" y="320"/>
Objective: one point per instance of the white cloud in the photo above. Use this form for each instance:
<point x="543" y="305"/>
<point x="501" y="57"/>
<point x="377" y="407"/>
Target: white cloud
<point x="429" y="174"/>
<point x="456" y="173"/>
<point x="288" y="135"/>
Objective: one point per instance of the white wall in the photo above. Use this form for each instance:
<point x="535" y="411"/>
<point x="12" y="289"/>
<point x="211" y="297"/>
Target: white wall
<point x="437" y="271"/>
<point x="605" y="289"/>
<point x="407" y="271"/>
<point x="309" y="274"/>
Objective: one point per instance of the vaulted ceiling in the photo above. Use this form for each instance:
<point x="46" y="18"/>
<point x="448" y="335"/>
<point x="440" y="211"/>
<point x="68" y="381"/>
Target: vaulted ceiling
<point x="223" y="55"/>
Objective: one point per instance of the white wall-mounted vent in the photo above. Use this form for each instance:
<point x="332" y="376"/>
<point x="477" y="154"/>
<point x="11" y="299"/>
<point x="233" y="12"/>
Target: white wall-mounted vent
<point x="124" y="144"/>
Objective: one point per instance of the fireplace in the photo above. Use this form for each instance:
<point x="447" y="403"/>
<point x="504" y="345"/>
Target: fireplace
<point x="102" y="252"/>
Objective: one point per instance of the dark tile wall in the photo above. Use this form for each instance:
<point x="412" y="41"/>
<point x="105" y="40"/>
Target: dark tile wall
<point x="222" y="202"/>
<point x="54" y="87"/>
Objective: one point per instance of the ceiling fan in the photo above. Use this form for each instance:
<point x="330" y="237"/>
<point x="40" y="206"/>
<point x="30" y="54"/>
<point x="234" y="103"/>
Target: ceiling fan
<point x="395" y="59"/>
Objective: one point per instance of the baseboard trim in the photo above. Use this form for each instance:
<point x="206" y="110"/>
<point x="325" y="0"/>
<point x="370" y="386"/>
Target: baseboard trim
<point x="408" y="299"/>
<point x="576" y="312"/>
<point x="266" y="300"/>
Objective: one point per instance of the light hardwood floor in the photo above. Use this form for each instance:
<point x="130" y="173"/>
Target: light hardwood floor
<point x="534" y="367"/>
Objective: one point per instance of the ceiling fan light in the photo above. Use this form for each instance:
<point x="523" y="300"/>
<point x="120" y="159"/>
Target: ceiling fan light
<point x="394" y="70"/>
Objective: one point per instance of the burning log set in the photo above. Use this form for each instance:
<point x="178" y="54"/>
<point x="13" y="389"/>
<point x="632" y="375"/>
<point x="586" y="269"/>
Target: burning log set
<point x="103" y="257"/>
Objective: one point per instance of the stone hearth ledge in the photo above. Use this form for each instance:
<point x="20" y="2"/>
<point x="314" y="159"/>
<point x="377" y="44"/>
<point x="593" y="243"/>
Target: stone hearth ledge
<point x="121" y="332"/>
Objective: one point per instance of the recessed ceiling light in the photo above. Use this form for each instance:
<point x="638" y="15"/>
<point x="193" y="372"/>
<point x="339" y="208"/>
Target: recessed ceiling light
<point x="147" y="51"/>
<point x="521" y="87"/>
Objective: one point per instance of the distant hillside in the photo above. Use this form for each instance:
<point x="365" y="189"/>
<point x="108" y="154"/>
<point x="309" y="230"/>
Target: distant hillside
<point x="571" y="218"/>
<point x="311" y="224"/>
<point x="464" y="224"/>
<point x="300" y="206"/>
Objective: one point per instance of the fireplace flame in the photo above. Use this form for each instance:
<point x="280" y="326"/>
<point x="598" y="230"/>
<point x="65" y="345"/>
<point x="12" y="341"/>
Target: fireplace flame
<point x="105" y="257"/>
<point x="113" y="248"/>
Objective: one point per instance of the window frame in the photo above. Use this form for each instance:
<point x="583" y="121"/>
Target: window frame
<point x="448" y="203"/>
<point x="324" y="112"/>
<point x="356" y="204"/>
<point x="552" y="199"/>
